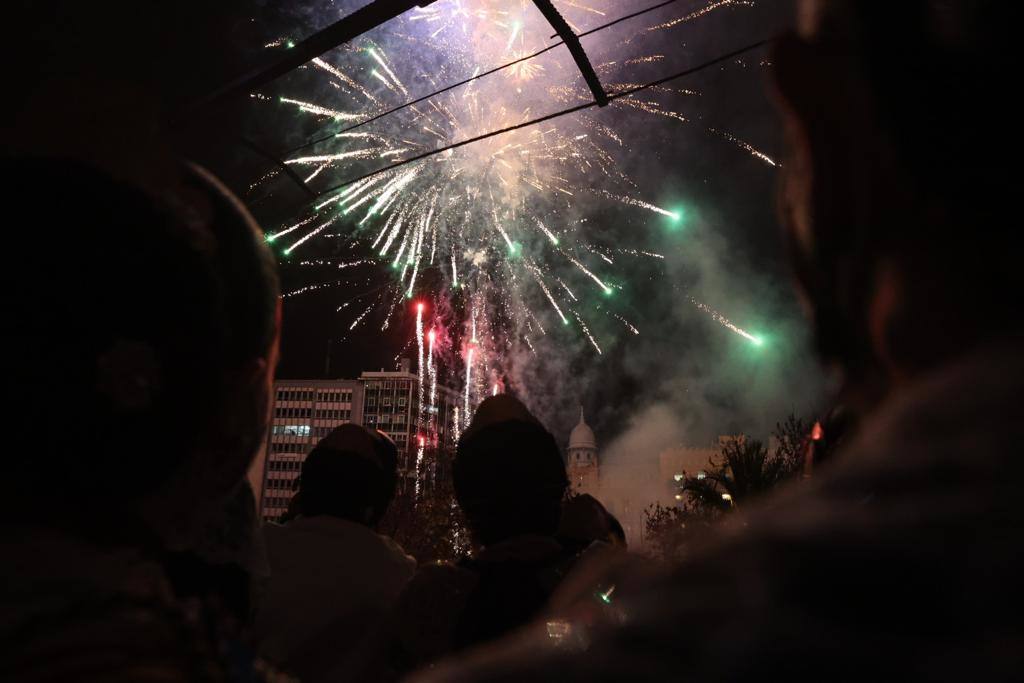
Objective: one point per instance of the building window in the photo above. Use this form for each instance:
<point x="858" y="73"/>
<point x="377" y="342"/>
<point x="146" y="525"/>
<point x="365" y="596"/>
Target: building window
<point x="291" y="430"/>
<point x="371" y="402"/>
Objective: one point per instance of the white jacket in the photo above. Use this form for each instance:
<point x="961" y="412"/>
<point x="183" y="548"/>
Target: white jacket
<point x="328" y="575"/>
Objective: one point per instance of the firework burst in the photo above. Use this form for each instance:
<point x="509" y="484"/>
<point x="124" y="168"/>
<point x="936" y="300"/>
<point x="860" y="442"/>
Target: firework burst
<point x="491" y="228"/>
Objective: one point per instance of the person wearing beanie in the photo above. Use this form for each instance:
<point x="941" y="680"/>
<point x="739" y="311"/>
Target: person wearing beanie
<point x="332" y="575"/>
<point x="510" y="481"/>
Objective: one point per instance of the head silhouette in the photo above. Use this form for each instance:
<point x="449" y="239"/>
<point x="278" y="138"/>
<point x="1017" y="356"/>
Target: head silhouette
<point x="351" y="474"/>
<point x="895" y="195"/>
<point x="508" y="473"/>
<point x="152" y="343"/>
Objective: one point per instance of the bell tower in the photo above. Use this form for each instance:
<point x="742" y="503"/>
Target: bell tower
<point x="582" y="466"/>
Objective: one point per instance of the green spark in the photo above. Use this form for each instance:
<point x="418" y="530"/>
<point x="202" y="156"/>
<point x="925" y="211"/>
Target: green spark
<point x="676" y="217"/>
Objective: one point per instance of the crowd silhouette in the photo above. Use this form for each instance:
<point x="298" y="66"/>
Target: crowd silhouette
<point x="142" y="326"/>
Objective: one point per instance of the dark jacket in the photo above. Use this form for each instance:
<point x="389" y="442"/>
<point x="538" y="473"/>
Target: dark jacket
<point x="448" y="607"/>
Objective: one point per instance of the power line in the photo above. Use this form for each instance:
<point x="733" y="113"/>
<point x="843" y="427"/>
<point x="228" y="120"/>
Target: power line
<point x="355" y="24"/>
<point x="478" y="76"/>
<point x="623" y="18"/>
<point x="548" y="117"/>
<point x="285" y="168"/>
<point x="421" y="99"/>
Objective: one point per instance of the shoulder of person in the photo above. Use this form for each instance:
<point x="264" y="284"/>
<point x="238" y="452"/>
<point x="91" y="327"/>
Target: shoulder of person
<point x="403" y="559"/>
<point x="447" y="577"/>
<point x="434" y="596"/>
<point x="422" y="623"/>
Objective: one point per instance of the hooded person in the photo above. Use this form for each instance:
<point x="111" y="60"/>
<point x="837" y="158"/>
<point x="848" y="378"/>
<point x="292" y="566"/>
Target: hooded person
<point x="332" y="576"/>
<point x="509" y="481"/>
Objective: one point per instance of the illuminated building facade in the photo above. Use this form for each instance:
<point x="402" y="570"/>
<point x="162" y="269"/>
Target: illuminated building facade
<point x="305" y="411"/>
<point x="391" y="404"/>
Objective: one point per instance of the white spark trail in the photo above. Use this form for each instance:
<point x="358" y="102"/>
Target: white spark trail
<point x="725" y="322"/>
<point x="360" y="318"/>
<point x="606" y="288"/>
<point x="271" y="238"/>
<point x="544" y="229"/>
<point x="311" y="108"/>
<point x="586" y="331"/>
<point x="547" y="293"/>
<point x="309" y="235"/>
<point x="322" y="158"/>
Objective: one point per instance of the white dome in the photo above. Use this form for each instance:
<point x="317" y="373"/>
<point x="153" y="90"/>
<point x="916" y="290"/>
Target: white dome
<point x="582" y="435"/>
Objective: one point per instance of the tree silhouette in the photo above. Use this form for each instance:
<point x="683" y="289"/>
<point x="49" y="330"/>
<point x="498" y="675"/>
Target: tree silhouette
<point x="671" y="531"/>
<point x="792" y="436"/>
<point x="429" y="524"/>
<point x="742" y="470"/>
